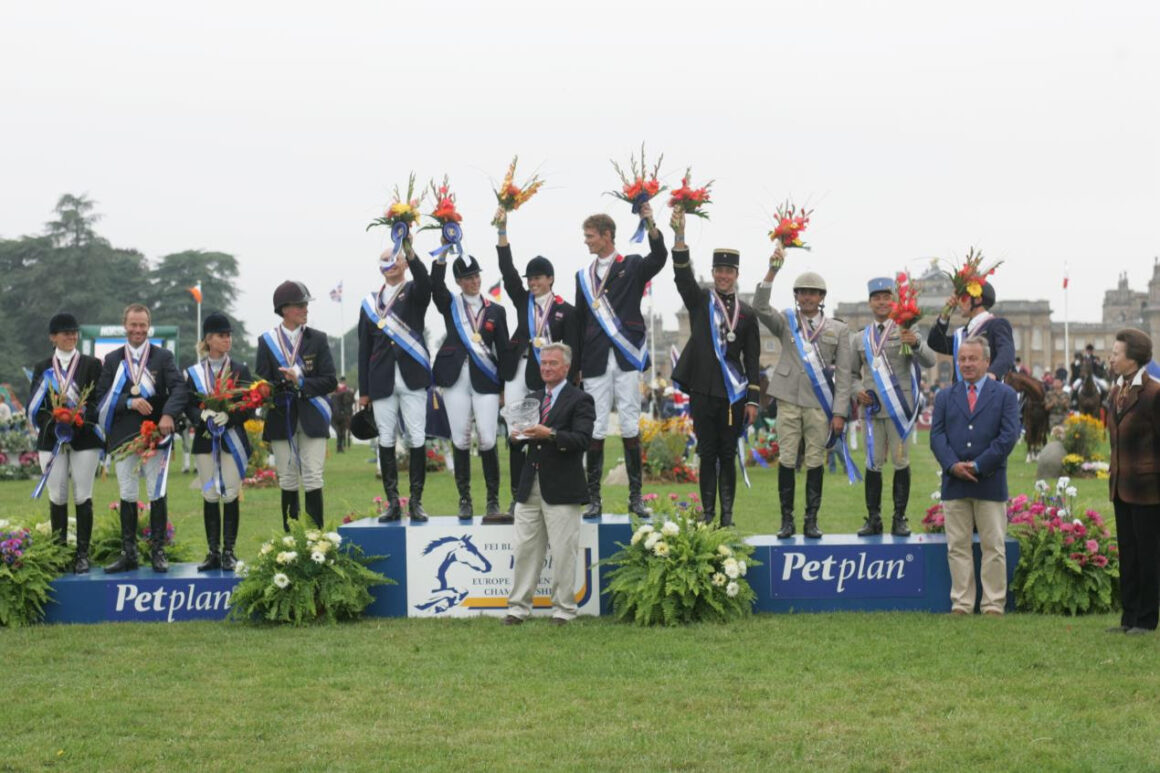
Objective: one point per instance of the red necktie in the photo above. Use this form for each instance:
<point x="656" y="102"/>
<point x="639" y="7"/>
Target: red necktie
<point x="971" y="397"/>
<point x="547" y="406"/>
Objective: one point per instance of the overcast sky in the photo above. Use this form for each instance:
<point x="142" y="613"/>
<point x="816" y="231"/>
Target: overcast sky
<point x="276" y="131"/>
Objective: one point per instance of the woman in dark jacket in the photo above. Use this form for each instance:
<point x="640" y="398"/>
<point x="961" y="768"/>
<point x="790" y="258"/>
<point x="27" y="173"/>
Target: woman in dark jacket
<point x="69" y="450"/>
<point x="220" y="445"/>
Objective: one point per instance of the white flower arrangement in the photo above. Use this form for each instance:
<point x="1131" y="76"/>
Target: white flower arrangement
<point x="719" y="579"/>
<point x="318" y="557"/>
<point x="266" y="549"/>
<point x="732" y="589"/>
<point x="670" y="529"/>
<point x="241" y="569"/>
<point x="286" y="557"/>
<point x="661" y="549"/>
<point x="288" y="541"/>
<point x="313" y="535"/>
<point x="334" y="538"/>
<point x="651" y="542"/>
<point x="1072" y="491"/>
<point x="725" y="551"/>
<point x="322" y="546"/>
<point x="281" y="580"/>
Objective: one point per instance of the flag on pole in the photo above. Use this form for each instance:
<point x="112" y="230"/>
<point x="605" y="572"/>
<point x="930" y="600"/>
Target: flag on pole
<point x="674" y="355"/>
<point x="493" y="291"/>
<point x="1065" y="281"/>
<point x="195" y="291"/>
<point x="336" y="293"/>
<point x="648" y="288"/>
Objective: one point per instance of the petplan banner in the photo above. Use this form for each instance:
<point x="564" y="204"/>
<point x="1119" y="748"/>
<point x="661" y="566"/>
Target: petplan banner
<point x="141" y="600"/>
<point x="846" y="571"/>
<point x="459" y="571"/>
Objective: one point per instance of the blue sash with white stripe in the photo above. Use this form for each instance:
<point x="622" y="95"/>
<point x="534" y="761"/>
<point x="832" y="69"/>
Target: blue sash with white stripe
<point x="903" y="414"/>
<point x="107" y="407"/>
<point x="321" y="404"/>
<point x="637" y="355"/>
<point x="394" y="328"/>
<point x="477" y="349"/>
<point x="736" y="385"/>
<point x="229" y="437"/>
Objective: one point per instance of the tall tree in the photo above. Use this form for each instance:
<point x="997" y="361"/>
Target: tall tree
<point x="74" y="223"/>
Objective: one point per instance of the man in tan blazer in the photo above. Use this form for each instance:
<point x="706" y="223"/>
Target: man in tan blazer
<point x="813" y="394"/>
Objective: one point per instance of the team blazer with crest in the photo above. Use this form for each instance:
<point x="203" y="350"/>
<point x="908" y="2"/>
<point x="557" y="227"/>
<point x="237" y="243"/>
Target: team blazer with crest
<point x="1134" y="470"/>
<point x="492" y="329"/>
<point x="563" y="327"/>
<point x="624" y="291"/>
<point x="560" y="463"/>
<point x="318" y="380"/>
<point x="168" y="399"/>
<point x="378" y="353"/>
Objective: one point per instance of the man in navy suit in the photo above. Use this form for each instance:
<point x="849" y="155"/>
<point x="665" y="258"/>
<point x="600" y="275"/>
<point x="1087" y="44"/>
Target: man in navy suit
<point x="974" y="427"/>
<point x="550" y="514"/>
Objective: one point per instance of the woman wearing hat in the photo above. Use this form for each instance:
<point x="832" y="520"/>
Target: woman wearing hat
<point x="468" y="368"/>
<point x="1134" y="480"/>
<point x="220" y="445"/>
<point x="68" y="373"/>
<point x="297" y="362"/>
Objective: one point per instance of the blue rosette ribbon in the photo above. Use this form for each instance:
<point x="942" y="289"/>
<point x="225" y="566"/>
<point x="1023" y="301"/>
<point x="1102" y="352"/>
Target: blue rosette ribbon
<point x="872" y="411"/>
<point x="453" y="235"/>
<point x="215" y="435"/>
<point x="399" y="232"/>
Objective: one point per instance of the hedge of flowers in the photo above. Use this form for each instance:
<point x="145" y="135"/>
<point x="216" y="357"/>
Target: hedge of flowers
<point x="29" y="561"/>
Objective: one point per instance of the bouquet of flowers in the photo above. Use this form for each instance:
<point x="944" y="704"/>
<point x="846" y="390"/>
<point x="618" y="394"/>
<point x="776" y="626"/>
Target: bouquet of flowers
<point x="402" y="213"/>
<point x="67" y="416"/>
<point x="143" y="445"/>
<point x="447" y="219"/>
<point x="306" y="576"/>
<point x="969" y="278"/>
<point x="689" y="200"/>
<point x="934" y="521"/>
<point x="640" y="188"/>
<point x="683" y="571"/>
<point x="905" y="311"/>
<point x="789" y="222"/>
<point x="227" y="397"/>
<point x="511" y="196"/>
<point x="29" y="562"/>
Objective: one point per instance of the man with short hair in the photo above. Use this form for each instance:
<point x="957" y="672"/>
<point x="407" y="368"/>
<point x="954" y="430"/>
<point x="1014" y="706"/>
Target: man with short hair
<point x="974" y="427"/>
<point x="890" y="394"/>
<point x="719" y="368"/>
<point x="614" y="346"/>
<point x="811" y="383"/>
<point x="550" y="514"/>
<point x="979" y="322"/>
<point x="140" y="382"/>
<point x="297" y="362"/>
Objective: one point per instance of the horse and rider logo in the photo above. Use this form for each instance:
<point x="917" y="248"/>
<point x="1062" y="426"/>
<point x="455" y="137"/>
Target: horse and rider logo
<point x="453" y="550"/>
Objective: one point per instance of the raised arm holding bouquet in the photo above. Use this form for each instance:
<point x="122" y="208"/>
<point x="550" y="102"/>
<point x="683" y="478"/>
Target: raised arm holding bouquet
<point x="511" y="196"/>
<point x="400" y="216"/>
<point x="639" y="189"/>
<point x="974" y="296"/>
<point x="447" y="220"/>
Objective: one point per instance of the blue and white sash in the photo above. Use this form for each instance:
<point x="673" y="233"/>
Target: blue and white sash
<point x="736" y="385"/>
<point x="902" y="412"/>
<point x="219" y="435"/>
<point x="539" y="327"/>
<point x="51" y="380"/>
<point x="821" y="380"/>
<point x="107" y="407"/>
<point x="162" y="485"/>
<point x="962" y="334"/>
<point x="276" y="348"/>
<point x="606" y="317"/>
<point x="480" y="354"/>
<point x="394" y="328"/>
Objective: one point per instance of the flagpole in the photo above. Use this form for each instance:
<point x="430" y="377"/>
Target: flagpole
<point x="341" y="339"/>
<point x="197" y="332"/>
<point x="1066" y="323"/>
<point x="652" y="353"/>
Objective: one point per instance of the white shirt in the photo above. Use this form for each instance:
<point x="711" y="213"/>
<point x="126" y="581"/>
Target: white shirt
<point x="64" y="358"/>
<point x="389" y="291"/>
<point x="555" y="392"/>
<point x="602" y="265"/>
<point x="474" y="302"/>
<point x="1137" y="381"/>
<point x="292" y="335"/>
<point x="139" y="352"/>
<point x="543" y="300"/>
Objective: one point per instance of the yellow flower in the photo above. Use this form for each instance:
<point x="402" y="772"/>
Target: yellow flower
<point x="974" y="289"/>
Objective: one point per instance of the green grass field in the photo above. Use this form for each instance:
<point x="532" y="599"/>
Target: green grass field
<point x="834" y="691"/>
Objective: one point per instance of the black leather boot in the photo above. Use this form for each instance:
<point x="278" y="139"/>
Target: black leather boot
<point x="128" y="558"/>
<point x="158" y="522"/>
<point x="84" y="536"/>
<point x="314" y="506"/>
<point x="463" y="483"/>
<point x="873" y="490"/>
<point x="900" y="527"/>
<point x="727" y="484"/>
<point x="594" y="460"/>
<point x="289" y="508"/>
<point x="708" y="475"/>
<point x="814" y="478"/>
<point x="230" y="521"/>
<point x="417" y="478"/>
<point x="515" y="470"/>
<point x="632" y="464"/>
<point x="211" y="514"/>
<point x="786" y="482"/>
<point x="490" y="459"/>
<point x="58" y="518"/>
<point x="389" y="467"/>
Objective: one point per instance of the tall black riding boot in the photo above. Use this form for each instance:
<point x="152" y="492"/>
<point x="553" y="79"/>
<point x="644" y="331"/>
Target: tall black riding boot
<point x="516" y="453"/>
<point x="632" y="464"/>
<point x="211" y="514"/>
<point x="873" y="491"/>
<point x="727" y="484"/>
<point x="594" y="460"/>
<point x="786" y="482"/>
<point x="389" y="467"/>
<point x="230" y="520"/>
<point x="463" y="483"/>
<point x="84" y="536"/>
<point x="58" y="518"/>
<point x="289" y="508"/>
<point x="814" y="478"/>
<point x="158" y="523"/>
<point x="900" y="528"/>
<point x="128" y="558"/>
<point x="417" y="478"/>
<point x="490" y="459"/>
<point x="708" y="474"/>
<point x="314" y="506"/>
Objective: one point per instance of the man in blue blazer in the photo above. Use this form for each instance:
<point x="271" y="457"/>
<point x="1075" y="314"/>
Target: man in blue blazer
<point x="974" y="427"/>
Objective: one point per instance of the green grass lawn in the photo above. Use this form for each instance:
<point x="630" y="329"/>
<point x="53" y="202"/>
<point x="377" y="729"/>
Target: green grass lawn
<point x="806" y="691"/>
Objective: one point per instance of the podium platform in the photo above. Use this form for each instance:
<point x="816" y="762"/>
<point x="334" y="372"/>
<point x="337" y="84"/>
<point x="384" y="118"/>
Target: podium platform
<point x="142" y="595"/>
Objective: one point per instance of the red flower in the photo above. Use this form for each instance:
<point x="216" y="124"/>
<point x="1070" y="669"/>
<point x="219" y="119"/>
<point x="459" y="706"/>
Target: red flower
<point x="489" y="325"/>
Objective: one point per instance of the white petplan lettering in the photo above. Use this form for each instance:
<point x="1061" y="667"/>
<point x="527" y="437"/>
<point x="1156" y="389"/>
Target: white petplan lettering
<point x="840" y="572"/>
<point x="171" y="601"/>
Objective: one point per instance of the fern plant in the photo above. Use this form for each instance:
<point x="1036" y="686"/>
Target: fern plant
<point x="29" y="561"/>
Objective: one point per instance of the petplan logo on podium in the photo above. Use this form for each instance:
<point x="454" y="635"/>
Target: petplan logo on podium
<point x="169" y="601"/>
<point x="846" y="571"/>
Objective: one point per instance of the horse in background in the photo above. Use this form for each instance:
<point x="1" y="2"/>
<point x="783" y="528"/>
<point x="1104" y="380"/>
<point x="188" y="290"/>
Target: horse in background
<point x="1034" y="410"/>
<point x="1089" y="396"/>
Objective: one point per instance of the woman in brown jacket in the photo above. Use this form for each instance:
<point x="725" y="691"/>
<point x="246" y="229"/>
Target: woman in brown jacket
<point x="1134" y="424"/>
